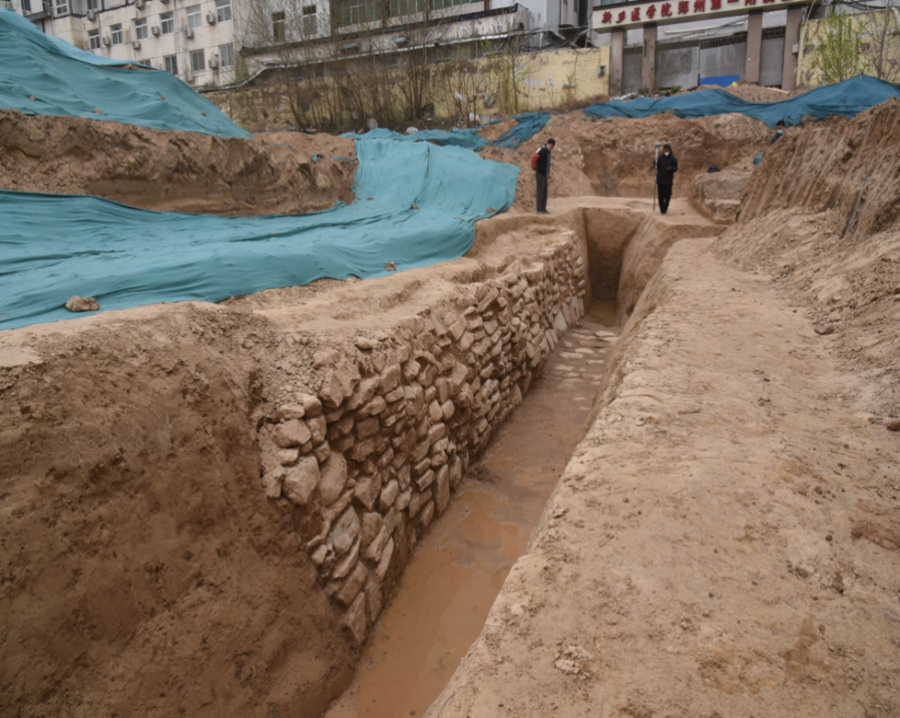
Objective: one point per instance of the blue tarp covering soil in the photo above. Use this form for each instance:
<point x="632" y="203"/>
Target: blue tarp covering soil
<point x="56" y="246"/>
<point x="528" y="125"/>
<point x="846" y="98"/>
<point x="64" y="80"/>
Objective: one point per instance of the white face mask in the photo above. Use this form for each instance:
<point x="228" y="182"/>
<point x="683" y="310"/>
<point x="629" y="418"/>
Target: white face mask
<point x="666" y="154"/>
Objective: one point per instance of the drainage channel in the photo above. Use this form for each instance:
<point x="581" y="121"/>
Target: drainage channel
<point x="443" y="598"/>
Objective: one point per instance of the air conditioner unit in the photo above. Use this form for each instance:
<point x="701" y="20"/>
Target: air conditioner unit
<point x="188" y="32"/>
<point x="91" y="15"/>
<point x="154" y="31"/>
<point x="6" y="4"/>
<point x="189" y="76"/>
<point x="139" y="4"/>
<point x="211" y="18"/>
<point x="136" y="44"/>
<point x="106" y="41"/>
<point x="213" y="62"/>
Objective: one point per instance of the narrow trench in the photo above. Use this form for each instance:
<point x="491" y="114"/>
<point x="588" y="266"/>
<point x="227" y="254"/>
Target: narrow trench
<point x="443" y="598"/>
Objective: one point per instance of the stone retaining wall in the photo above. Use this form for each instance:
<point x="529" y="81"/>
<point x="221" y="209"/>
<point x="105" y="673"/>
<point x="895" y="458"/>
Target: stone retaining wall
<point x="374" y="456"/>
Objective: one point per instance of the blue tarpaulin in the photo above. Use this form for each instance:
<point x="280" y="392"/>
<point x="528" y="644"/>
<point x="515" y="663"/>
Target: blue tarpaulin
<point x="64" y="80"/>
<point x="846" y="98"/>
<point x="416" y="205"/>
<point x="529" y="124"/>
<point x="470" y="139"/>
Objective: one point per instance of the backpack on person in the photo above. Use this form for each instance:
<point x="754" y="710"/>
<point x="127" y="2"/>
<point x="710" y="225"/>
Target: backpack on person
<point x="535" y="157"/>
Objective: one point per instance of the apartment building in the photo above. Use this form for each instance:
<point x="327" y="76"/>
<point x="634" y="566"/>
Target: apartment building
<point x="193" y="40"/>
<point x="202" y="41"/>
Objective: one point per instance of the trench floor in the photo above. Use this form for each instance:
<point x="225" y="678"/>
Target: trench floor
<point x="443" y="598"/>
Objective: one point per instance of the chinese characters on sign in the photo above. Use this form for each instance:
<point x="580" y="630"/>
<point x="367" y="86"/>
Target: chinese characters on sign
<point x="644" y="13"/>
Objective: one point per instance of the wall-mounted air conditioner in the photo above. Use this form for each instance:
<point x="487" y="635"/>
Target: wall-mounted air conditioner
<point x="154" y="31"/>
<point x="91" y="15"/>
<point x="213" y="62"/>
<point x="106" y="41"/>
<point x="139" y="4"/>
<point x="136" y="44"/>
<point x="211" y="18"/>
<point x="189" y="32"/>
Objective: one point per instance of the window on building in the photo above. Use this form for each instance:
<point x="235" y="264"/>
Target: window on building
<point x="223" y="10"/>
<point x="93" y="39"/>
<point x="170" y="63"/>
<point x="140" y="29"/>
<point x="399" y="8"/>
<point x="116" y="34"/>
<point x="355" y="12"/>
<point x="308" y="23"/>
<point x="167" y="24"/>
<point x="94" y="5"/>
<point x="194" y="16"/>
<point x="26" y="5"/>
<point x="62" y="7"/>
<point x="198" y="60"/>
<point x="226" y="55"/>
<point x="278" y="28"/>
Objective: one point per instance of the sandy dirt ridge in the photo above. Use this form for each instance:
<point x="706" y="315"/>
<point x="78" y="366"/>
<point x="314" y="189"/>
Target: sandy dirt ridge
<point x="174" y="171"/>
<point x="725" y="540"/>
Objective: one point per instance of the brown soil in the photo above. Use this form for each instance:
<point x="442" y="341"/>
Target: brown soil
<point x="174" y="171"/>
<point x="724" y="541"/>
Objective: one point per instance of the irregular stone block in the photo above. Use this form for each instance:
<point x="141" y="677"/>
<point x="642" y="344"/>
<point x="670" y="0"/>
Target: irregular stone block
<point x="403" y="500"/>
<point x="371" y="525"/>
<point x="291" y="433"/>
<point x="373" y="408"/>
<point x="363" y="394"/>
<point x="384" y="562"/>
<point x="425" y="516"/>
<point x="355" y="619"/>
<point x="390" y="378"/>
<point x="344" y="532"/>
<point x="322" y="452"/>
<point x="272" y="482"/>
<point x="448" y="409"/>
<point x="301" y="480"/>
<point x="456" y="471"/>
<point x="367" y="490"/>
<point x="343" y="566"/>
<point x="311" y="404"/>
<point x="424" y="481"/>
<point x="418" y="500"/>
<point x="442" y="490"/>
<point x="318" y="556"/>
<point x="317" y="427"/>
<point x="367" y="427"/>
<point x="374" y="549"/>
<point x="352" y="585"/>
<point x="361" y="450"/>
<point x="435" y="411"/>
<point x="288" y="412"/>
<point x="82" y="304"/>
<point x="288" y="457"/>
<point x="333" y="479"/>
<point x="438" y="431"/>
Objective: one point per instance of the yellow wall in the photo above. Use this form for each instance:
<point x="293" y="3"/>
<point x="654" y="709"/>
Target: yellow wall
<point x="810" y="38"/>
<point x="558" y="76"/>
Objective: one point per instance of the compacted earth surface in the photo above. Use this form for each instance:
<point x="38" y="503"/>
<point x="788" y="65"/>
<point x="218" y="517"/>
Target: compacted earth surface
<point x="719" y="537"/>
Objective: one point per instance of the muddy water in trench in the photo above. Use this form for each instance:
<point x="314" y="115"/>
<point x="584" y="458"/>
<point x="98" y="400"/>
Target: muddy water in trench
<point x="443" y="598"/>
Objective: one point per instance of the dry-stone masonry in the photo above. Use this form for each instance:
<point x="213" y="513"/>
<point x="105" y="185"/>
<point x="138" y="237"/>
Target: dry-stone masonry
<point x="375" y="456"/>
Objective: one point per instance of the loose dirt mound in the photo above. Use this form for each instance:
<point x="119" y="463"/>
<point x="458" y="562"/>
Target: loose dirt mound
<point x="614" y="158"/>
<point x="180" y="171"/>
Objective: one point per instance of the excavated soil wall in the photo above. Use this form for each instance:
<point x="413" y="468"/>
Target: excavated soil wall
<point x="205" y="506"/>
<point x="174" y="171"/>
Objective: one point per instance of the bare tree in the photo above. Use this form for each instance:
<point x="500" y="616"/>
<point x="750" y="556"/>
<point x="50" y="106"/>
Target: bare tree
<point x="880" y="41"/>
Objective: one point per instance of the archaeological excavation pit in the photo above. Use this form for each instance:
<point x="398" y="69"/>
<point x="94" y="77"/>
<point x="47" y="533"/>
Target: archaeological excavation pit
<point x="362" y="433"/>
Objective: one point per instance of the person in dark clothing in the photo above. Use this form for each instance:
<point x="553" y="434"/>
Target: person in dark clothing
<point x="542" y="175"/>
<point x="666" y="167"/>
<point x="779" y="131"/>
